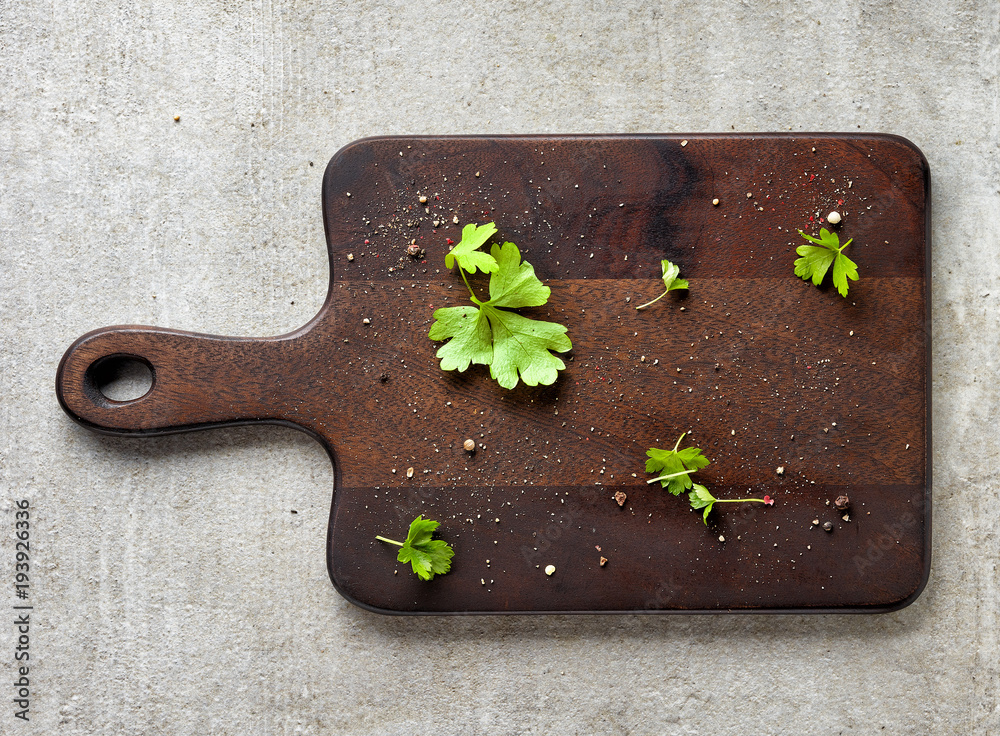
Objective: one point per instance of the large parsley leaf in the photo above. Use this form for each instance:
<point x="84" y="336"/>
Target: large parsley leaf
<point x="816" y="261"/>
<point x="674" y="467"/>
<point x="428" y="557"/>
<point x="513" y="346"/>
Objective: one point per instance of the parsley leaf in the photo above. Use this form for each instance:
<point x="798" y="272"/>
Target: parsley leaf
<point x="512" y="346"/>
<point x="428" y="557"/>
<point x="467" y="253"/>
<point x="670" y="281"/>
<point x="701" y="499"/>
<point x="816" y="261"/>
<point x="674" y="467"/>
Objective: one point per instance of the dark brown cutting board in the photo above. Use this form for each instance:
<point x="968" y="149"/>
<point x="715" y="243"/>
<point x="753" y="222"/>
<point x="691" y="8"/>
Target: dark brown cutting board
<point x="764" y="370"/>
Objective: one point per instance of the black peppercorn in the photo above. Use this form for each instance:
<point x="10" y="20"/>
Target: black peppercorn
<point x="842" y="503"/>
<point x="828" y="526"/>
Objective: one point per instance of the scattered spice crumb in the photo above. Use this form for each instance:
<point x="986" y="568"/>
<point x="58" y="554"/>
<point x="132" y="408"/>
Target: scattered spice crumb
<point x="409" y="472"/>
<point x="842" y="503"/>
<point x="716" y="201"/>
<point x="550" y="569"/>
<point x="780" y="470"/>
<point x="469" y="445"/>
<point x="722" y="538"/>
<point x="828" y="526"/>
<point x="350" y="256"/>
<point x="683" y="143"/>
<point x="604" y="561"/>
<point x="620" y="497"/>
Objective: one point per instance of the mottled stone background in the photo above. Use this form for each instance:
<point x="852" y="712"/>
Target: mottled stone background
<point x="175" y="593"/>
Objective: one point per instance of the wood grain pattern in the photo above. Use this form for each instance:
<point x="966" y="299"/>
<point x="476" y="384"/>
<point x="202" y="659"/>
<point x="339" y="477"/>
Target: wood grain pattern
<point x="763" y="369"/>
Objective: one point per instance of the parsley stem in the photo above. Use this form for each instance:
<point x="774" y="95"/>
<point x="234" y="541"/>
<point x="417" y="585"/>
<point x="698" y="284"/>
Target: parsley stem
<point x="671" y="475"/>
<point x="655" y="300"/>
<point x="471" y="292"/>
<point x="739" y="500"/>
<point x="390" y="541"/>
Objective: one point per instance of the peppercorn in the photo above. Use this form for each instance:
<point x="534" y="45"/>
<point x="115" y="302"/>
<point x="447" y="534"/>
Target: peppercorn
<point x="469" y="445"/>
<point x="842" y="503"/>
<point x="828" y="526"/>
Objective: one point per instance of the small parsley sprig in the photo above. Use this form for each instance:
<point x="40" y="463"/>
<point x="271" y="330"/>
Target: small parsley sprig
<point x="701" y="498"/>
<point x="670" y="281"/>
<point x="815" y="261"/>
<point x="488" y="334"/>
<point x="428" y="557"/>
<point x="674" y="468"/>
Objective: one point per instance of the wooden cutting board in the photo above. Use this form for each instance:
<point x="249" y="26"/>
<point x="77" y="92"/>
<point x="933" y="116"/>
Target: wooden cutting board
<point x="764" y="370"/>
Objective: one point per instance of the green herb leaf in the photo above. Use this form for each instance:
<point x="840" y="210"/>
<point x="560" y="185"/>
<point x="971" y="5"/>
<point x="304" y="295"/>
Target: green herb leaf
<point x="513" y="346"/>
<point x="670" y="281"/>
<point x="467" y="253"/>
<point x="701" y="499"/>
<point x="471" y="337"/>
<point x="674" y="467"/>
<point x="816" y="261"/>
<point x="514" y="284"/>
<point x="521" y="347"/>
<point x="428" y="557"/>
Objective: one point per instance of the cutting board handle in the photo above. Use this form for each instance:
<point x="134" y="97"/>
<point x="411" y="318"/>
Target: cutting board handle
<point x="198" y="381"/>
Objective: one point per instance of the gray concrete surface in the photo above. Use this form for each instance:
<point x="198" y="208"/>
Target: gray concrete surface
<point x="174" y="593"/>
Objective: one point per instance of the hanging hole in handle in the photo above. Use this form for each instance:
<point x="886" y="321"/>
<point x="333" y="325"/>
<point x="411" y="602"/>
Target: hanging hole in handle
<point x="118" y="379"/>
